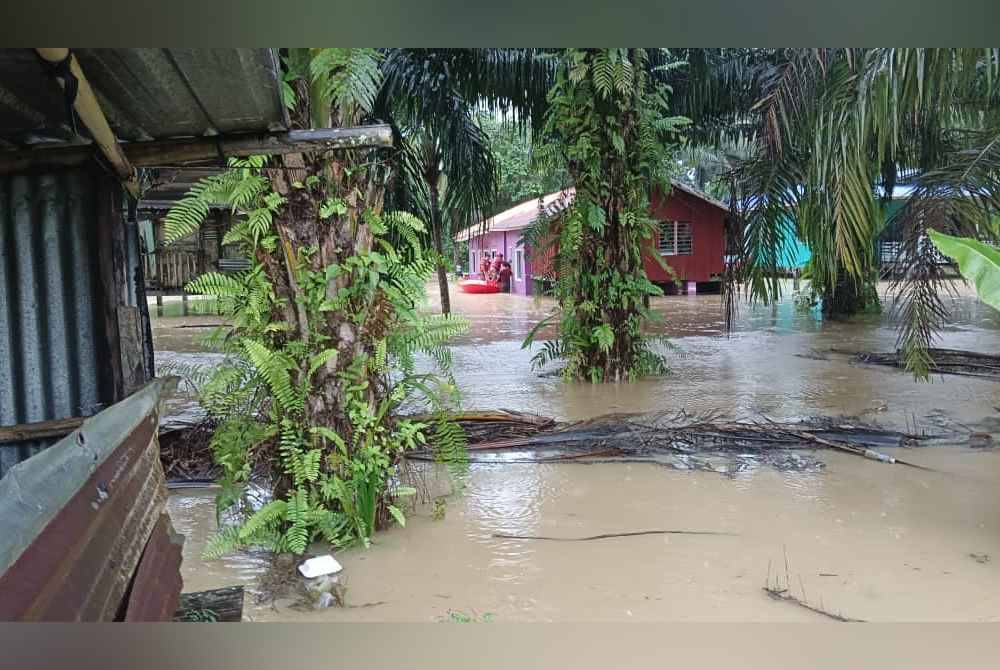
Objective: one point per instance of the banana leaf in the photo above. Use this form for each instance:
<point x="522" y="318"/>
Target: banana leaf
<point x="978" y="262"/>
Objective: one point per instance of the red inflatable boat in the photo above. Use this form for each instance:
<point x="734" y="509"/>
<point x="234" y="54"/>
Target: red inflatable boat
<point x="479" y="286"/>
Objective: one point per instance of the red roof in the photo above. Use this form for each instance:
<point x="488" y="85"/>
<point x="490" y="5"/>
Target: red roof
<point x="523" y="215"/>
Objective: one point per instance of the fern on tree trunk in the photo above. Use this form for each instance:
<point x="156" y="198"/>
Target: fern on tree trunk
<point x="327" y="311"/>
<point x="607" y="123"/>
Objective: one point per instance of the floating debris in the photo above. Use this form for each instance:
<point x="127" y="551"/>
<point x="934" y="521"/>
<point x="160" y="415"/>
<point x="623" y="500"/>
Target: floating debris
<point x="944" y="361"/>
<point x="682" y="441"/>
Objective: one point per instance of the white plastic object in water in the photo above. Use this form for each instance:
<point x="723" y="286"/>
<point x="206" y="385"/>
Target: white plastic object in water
<point x="319" y="566"/>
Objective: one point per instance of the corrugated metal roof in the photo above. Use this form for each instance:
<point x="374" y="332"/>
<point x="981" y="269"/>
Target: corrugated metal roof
<point x="50" y="330"/>
<point x="523" y="215"/>
<point x="518" y="216"/>
<point x="146" y="94"/>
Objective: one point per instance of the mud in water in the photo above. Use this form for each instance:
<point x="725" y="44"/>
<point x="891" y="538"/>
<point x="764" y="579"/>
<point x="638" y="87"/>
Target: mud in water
<point x="869" y="540"/>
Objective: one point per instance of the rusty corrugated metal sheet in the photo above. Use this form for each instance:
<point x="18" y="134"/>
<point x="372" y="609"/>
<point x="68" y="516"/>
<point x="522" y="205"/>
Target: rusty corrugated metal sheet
<point x="50" y="329"/>
<point x="77" y="523"/>
<point x="156" y="588"/>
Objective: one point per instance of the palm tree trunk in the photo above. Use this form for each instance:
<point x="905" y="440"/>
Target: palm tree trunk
<point x="847" y="298"/>
<point x="432" y="177"/>
<point x="298" y="227"/>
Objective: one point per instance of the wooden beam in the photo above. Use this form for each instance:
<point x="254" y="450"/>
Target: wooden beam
<point x="40" y="429"/>
<point x="89" y="109"/>
<point x="202" y="150"/>
<point x="182" y="152"/>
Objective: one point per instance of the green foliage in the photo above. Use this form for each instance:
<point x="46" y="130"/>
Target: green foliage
<point x="829" y="134"/>
<point x="198" y="616"/>
<point x="608" y="123"/>
<point x="977" y="261"/>
<point x="329" y="482"/>
<point x="526" y="170"/>
<point x="458" y="616"/>
<point x="439" y="510"/>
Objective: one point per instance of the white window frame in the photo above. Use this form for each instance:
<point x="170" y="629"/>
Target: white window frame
<point x="519" y="264"/>
<point x="671" y="230"/>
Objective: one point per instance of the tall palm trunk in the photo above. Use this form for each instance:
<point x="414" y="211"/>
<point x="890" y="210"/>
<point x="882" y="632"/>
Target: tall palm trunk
<point x="432" y="176"/>
<point x="307" y="241"/>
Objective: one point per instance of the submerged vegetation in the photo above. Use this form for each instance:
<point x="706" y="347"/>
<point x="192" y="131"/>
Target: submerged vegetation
<point x="325" y="329"/>
<point x="608" y="123"/>
<point x="831" y="132"/>
<point x="327" y="320"/>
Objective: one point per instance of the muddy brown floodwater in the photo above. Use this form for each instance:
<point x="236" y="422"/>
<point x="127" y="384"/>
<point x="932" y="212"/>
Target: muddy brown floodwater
<point x="869" y="540"/>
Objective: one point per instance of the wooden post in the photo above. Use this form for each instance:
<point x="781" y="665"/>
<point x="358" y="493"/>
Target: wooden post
<point x="110" y="256"/>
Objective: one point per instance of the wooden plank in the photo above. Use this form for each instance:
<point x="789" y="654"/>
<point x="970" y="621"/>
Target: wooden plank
<point x="71" y="546"/>
<point x="40" y="429"/>
<point x="226" y="604"/>
<point x="130" y="340"/>
<point x="111" y="252"/>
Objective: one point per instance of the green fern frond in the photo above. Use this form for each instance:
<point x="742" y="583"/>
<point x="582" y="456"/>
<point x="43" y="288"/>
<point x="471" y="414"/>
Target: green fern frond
<point x="223" y="543"/>
<point x="275" y="368"/>
<point x="216" y="284"/>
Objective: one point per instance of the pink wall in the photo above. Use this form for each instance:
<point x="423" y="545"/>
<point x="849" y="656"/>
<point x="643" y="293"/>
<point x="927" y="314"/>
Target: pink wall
<point x="503" y="242"/>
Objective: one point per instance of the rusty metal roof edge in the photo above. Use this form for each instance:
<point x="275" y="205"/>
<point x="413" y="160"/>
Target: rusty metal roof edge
<point x="34" y="490"/>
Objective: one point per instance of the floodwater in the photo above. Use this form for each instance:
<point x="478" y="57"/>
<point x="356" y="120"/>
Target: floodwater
<point x="869" y="540"/>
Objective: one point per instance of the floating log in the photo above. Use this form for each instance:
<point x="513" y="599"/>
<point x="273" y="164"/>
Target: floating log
<point x="217" y="605"/>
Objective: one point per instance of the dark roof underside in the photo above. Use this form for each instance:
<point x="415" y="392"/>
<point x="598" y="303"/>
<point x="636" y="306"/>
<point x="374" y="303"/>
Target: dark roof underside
<point x="146" y="94"/>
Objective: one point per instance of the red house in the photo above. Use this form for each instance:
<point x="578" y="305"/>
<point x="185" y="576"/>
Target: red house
<point x="690" y="239"/>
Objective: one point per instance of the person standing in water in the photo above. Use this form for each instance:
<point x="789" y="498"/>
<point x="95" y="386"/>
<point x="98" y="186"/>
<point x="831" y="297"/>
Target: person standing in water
<point x="505" y="275"/>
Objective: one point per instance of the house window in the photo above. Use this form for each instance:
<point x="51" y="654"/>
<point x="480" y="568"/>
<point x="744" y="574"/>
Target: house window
<point x="519" y="264"/>
<point x="675" y="238"/>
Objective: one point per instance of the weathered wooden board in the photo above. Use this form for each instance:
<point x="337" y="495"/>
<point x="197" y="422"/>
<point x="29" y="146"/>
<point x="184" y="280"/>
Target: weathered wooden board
<point x="225" y="604"/>
<point x="130" y="337"/>
<point x="77" y="518"/>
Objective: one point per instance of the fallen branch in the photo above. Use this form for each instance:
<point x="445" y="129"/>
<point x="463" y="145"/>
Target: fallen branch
<point x="860" y="451"/>
<point x="786" y="596"/>
<point x="944" y="361"/>
<point x="606" y="536"/>
<point x="677" y="438"/>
